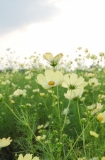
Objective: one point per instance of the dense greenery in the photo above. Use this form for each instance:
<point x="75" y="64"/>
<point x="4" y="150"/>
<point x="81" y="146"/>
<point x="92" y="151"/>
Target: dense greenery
<point x="45" y="123"/>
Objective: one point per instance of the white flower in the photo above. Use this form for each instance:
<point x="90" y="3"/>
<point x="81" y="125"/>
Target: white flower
<point x="93" y="57"/>
<point x="93" y="82"/>
<point x="101" y="117"/>
<point x="40" y="127"/>
<point x="7" y="82"/>
<point x="101" y="54"/>
<point x="38" y="138"/>
<point x="5" y="142"/>
<point x="53" y="60"/>
<point x="71" y="94"/>
<point x="28" y="76"/>
<point x="97" y="109"/>
<point x="50" y="79"/>
<point x="65" y="111"/>
<point x="27" y="157"/>
<point x="90" y="75"/>
<point x="94" y="134"/>
<point x="74" y="84"/>
<point x="19" y="92"/>
<point x="36" y="90"/>
<point x="91" y="107"/>
<point x="86" y="50"/>
<point x="72" y="81"/>
<point x="79" y="48"/>
<point x="27" y="86"/>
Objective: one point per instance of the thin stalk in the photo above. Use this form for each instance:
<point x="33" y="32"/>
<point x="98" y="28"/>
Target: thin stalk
<point x="82" y="128"/>
<point x="26" y="124"/>
<point x="88" y="125"/>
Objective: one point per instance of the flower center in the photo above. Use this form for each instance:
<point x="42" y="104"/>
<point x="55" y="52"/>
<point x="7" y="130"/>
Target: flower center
<point x="53" y="63"/>
<point x="72" y="87"/>
<point x="51" y="83"/>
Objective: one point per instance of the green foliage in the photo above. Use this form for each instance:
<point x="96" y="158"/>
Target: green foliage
<point x="37" y="125"/>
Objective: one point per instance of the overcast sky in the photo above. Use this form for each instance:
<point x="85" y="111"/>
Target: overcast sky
<point x="17" y="14"/>
<point x="28" y="26"/>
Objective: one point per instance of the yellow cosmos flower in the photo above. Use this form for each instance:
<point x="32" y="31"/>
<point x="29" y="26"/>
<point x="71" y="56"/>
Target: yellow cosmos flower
<point x="50" y="79"/>
<point x="90" y="75"/>
<point x="71" y="94"/>
<point x="99" y="106"/>
<point x="19" y="92"/>
<point x="101" y="117"/>
<point x="74" y="84"/>
<point x="93" y="57"/>
<point x="72" y="81"/>
<point x="94" y="134"/>
<point x="27" y="157"/>
<point x="101" y="54"/>
<point x="5" y="142"/>
<point x="93" y="82"/>
<point x="53" y="60"/>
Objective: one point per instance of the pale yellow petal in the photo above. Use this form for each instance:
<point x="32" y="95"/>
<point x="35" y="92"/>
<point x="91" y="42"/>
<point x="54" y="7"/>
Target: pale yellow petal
<point x="28" y="157"/>
<point x="41" y="79"/>
<point x="73" y="78"/>
<point x="20" y="157"/>
<point x="49" y="75"/>
<point x="35" y="158"/>
<point x="80" y="81"/>
<point x="48" y="56"/>
<point x="58" y="77"/>
<point x="67" y="79"/>
<point x="58" y="57"/>
<point x="65" y="85"/>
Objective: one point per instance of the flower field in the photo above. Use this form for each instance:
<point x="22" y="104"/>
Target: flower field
<point x="54" y="112"/>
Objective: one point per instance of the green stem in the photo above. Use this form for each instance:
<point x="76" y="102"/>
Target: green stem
<point x="83" y="136"/>
<point x="88" y="125"/>
<point x="59" y="115"/>
<point x="78" y="110"/>
<point x="14" y="113"/>
<point x="26" y="124"/>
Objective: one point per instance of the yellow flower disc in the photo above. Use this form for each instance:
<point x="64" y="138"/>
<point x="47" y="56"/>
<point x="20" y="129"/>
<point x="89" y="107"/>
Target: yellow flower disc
<point x="51" y="83"/>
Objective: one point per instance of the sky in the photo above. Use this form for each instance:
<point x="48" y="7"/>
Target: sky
<point x="28" y="26"/>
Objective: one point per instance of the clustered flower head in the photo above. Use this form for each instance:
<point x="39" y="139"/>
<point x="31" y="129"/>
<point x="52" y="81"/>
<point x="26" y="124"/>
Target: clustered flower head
<point x="27" y="157"/>
<point x="50" y="79"/>
<point x="5" y="142"/>
<point x="53" y="60"/>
